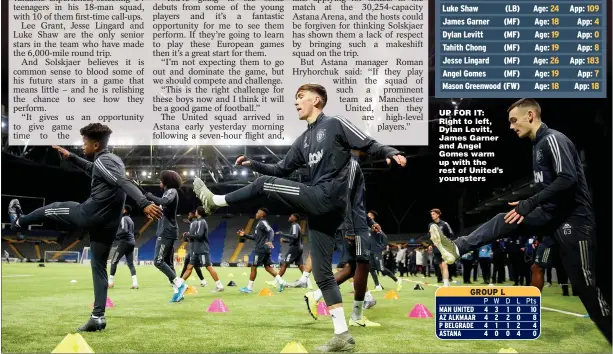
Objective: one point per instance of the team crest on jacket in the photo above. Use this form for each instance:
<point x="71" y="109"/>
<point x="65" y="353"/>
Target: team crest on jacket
<point x="306" y="145"/>
<point x="539" y="155"/>
<point x="321" y="135"/>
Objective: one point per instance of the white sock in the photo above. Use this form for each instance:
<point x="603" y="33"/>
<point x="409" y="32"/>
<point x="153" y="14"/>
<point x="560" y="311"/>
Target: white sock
<point x="338" y="320"/>
<point x="368" y="294"/>
<point x="220" y="200"/>
<point x="250" y="286"/>
<point x="309" y="285"/>
<point x="219" y="284"/>
<point x="203" y="281"/>
<point x="278" y="279"/>
<point x="317" y="295"/>
<point x="446" y="282"/>
<point x="305" y="277"/>
<point x="357" y="310"/>
<point x="134" y="280"/>
<point x="111" y="277"/>
<point x="178" y="282"/>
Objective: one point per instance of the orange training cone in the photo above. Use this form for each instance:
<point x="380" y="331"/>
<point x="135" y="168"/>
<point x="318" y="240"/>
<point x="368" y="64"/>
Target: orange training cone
<point x="265" y="292"/>
<point x="392" y="295"/>
<point x="191" y="290"/>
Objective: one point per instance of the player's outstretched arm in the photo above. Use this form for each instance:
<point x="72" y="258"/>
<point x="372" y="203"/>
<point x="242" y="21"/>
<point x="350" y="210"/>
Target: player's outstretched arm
<point x="291" y="162"/>
<point x="80" y="162"/>
<point x="353" y="138"/>
<point x="166" y="199"/>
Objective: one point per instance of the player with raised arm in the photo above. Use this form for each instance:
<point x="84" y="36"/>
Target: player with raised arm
<point x="125" y="247"/>
<point x="379" y="242"/>
<point x="168" y="230"/>
<point x="261" y="255"/>
<point x="100" y="214"/>
<point x="325" y="149"/>
<point x="200" y="250"/>
<point x="562" y="207"/>
<point x="294" y="251"/>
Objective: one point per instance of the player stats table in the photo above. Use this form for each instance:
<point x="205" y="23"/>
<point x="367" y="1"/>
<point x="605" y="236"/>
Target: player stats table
<point x="514" y="48"/>
<point x="488" y="313"/>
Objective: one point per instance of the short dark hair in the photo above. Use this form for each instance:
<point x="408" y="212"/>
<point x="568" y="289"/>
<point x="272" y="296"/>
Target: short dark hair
<point x="296" y="216"/>
<point x="437" y="211"/>
<point x="170" y="179"/>
<point x="200" y="210"/>
<point x="128" y="209"/>
<point x="264" y="210"/>
<point x="374" y="213"/>
<point x="317" y="89"/>
<point x="97" y="132"/>
<point x="526" y="103"/>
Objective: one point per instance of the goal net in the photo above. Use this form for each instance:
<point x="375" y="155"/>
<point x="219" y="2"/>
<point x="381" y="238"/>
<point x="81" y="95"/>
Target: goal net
<point x="62" y="256"/>
<point x="86" y="257"/>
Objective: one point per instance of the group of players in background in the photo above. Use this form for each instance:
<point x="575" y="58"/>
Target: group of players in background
<point x="331" y="149"/>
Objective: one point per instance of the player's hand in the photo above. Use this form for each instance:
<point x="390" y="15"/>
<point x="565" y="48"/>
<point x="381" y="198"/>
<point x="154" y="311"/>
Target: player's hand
<point x="241" y="233"/>
<point x="269" y="244"/>
<point x="153" y="211"/>
<point x="399" y="159"/>
<point x="63" y="152"/>
<point x="350" y="237"/>
<point x="278" y="232"/>
<point x="242" y="161"/>
<point x="513" y="216"/>
<point x="283" y="240"/>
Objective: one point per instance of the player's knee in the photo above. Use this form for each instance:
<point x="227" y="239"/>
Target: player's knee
<point x="536" y="268"/>
<point x="158" y="263"/>
<point x="259" y="182"/>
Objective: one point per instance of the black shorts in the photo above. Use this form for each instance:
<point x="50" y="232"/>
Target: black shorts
<point x="437" y="257"/>
<point x="200" y="259"/>
<point x="543" y="253"/>
<point x="260" y="258"/>
<point x="358" y="249"/>
<point x="376" y="262"/>
<point x="293" y="256"/>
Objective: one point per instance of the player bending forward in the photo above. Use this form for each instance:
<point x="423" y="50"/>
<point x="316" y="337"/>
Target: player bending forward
<point x="261" y="255"/>
<point x="201" y="252"/>
<point x="563" y="207"/>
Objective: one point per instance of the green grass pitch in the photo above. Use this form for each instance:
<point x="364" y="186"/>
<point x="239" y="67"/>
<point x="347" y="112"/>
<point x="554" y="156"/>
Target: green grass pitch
<point x="40" y="306"/>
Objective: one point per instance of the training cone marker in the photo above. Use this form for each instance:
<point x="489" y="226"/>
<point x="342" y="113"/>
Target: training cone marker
<point x="230" y="275"/>
<point x="73" y="281"/>
<point x="73" y="343"/>
<point x="392" y="295"/>
<point x="231" y="283"/>
<point x="294" y="347"/>
<point x="507" y="350"/>
<point x="109" y="303"/>
<point x="217" y="306"/>
<point x="265" y="292"/>
<point x="322" y="309"/>
<point x="420" y="311"/>
<point x="191" y="290"/>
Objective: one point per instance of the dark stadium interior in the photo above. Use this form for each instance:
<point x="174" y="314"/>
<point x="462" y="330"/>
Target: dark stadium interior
<point x="402" y="197"/>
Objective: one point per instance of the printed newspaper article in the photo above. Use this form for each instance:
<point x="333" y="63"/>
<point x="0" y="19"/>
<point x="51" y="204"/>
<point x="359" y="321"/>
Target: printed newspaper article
<point x="440" y="169"/>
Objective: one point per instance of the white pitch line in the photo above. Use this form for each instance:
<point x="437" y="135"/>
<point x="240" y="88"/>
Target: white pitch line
<point x="542" y="307"/>
<point x="17" y="275"/>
